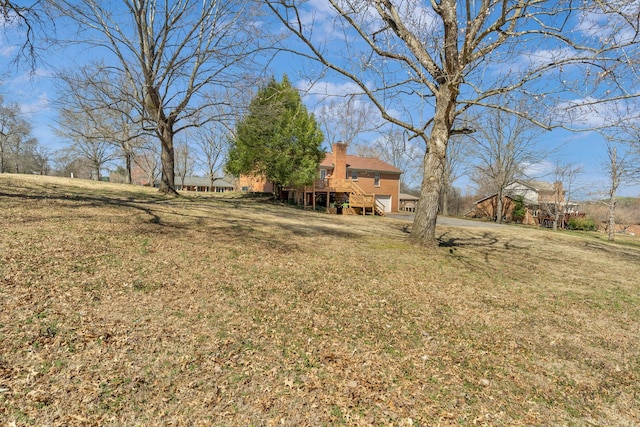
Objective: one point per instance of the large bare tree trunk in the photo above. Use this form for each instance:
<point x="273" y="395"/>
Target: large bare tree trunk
<point x="617" y="169"/>
<point x="611" y="228"/>
<point x="128" y="159"/>
<point x="499" y="206"/>
<point x="423" y="231"/>
<point x="167" y="158"/>
<point x="128" y="167"/>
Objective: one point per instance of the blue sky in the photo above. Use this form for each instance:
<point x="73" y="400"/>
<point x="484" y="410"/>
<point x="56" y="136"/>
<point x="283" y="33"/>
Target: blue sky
<point x="36" y="92"/>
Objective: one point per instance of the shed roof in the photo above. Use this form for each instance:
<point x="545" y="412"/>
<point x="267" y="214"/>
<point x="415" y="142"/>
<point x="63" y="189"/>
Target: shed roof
<point x="405" y="196"/>
<point x="202" y="182"/>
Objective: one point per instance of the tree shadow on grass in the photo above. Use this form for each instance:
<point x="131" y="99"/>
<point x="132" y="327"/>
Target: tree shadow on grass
<point x="88" y="200"/>
<point x="610" y="249"/>
<point x="483" y="246"/>
<point x="486" y="239"/>
<point x="256" y="222"/>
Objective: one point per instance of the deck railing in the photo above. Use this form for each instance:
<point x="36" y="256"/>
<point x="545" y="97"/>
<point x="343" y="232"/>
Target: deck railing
<point x="333" y="184"/>
<point x="362" y="201"/>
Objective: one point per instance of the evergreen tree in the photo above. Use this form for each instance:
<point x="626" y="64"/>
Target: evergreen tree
<point x="519" y="210"/>
<point x="278" y="139"/>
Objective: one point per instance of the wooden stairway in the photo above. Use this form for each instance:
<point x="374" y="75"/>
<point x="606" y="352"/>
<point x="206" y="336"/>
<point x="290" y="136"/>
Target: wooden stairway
<point x="358" y="198"/>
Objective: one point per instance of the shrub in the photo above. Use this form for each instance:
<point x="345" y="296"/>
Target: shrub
<point x="519" y="210"/>
<point x="581" y="223"/>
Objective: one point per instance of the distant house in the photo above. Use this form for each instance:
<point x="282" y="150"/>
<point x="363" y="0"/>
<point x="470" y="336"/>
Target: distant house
<point x="351" y="183"/>
<point x="195" y="183"/>
<point x="408" y="202"/>
<point x="541" y="200"/>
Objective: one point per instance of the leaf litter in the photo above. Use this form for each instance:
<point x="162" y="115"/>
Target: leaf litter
<point x="120" y="306"/>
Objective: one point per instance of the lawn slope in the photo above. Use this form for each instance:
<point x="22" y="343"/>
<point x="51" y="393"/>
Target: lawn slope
<point x="122" y="306"/>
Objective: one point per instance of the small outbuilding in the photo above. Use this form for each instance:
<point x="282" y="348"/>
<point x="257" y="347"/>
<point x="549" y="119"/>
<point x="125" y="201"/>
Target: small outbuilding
<point x="408" y="202"/>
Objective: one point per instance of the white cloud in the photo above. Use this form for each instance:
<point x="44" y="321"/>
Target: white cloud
<point x="539" y="169"/>
<point x="6" y="50"/>
<point x="27" y="78"/>
<point x="590" y="112"/>
<point x="321" y="21"/>
<point x="317" y="92"/>
<point x="36" y="106"/>
<point x="543" y="57"/>
<point x="611" y="28"/>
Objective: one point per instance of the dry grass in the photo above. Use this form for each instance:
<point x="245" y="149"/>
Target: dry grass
<point x="120" y="306"/>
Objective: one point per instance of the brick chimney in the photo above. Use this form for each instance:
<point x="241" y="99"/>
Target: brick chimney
<point x="339" y="160"/>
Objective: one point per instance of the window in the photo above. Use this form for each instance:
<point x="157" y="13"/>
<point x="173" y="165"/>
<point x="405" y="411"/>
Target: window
<point x="376" y="180"/>
<point x="323" y="173"/>
<point x="354" y="175"/>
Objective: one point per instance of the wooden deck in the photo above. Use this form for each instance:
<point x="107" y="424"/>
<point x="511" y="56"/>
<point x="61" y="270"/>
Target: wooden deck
<point x="358" y="198"/>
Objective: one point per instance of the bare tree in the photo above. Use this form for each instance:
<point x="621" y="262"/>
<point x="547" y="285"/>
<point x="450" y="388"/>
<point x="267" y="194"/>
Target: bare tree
<point x="212" y="141"/>
<point x="185" y="162"/>
<point x="345" y="119"/>
<point x="452" y="171"/>
<point x="501" y="149"/>
<point x="15" y="137"/>
<point x="618" y="169"/>
<point x="8" y="117"/>
<point x="87" y="94"/>
<point x="86" y="135"/>
<point x="30" y="17"/>
<point x="148" y="160"/>
<point x="42" y="157"/>
<point x="169" y="54"/>
<point x="393" y="148"/>
<point x="22" y="154"/>
<point x="424" y="63"/>
<point x="66" y="163"/>
<point x="564" y="177"/>
<point x="621" y="130"/>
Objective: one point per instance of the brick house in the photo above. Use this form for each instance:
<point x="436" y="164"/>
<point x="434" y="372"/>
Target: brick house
<point x="254" y="184"/>
<point x="541" y="200"/>
<point x="358" y="184"/>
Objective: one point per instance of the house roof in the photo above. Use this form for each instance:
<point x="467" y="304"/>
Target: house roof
<point x="201" y="181"/>
<point x="405" y="196"/>
<point x="534" y="185"/>
<point x="508" y="196"/>
<point x="362" y="163"/>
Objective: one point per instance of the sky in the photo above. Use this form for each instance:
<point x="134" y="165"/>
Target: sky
<point x="35" y="92"/>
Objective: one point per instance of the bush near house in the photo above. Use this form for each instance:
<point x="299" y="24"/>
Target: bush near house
<point x="581" y="223"/>
<point x="519" y="210"/>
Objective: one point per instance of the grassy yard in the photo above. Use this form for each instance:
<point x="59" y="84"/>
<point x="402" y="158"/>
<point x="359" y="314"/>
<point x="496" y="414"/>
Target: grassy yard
<point x="121" y="306"/>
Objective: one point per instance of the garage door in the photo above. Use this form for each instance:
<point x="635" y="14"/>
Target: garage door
<point x="385" y="201"/>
